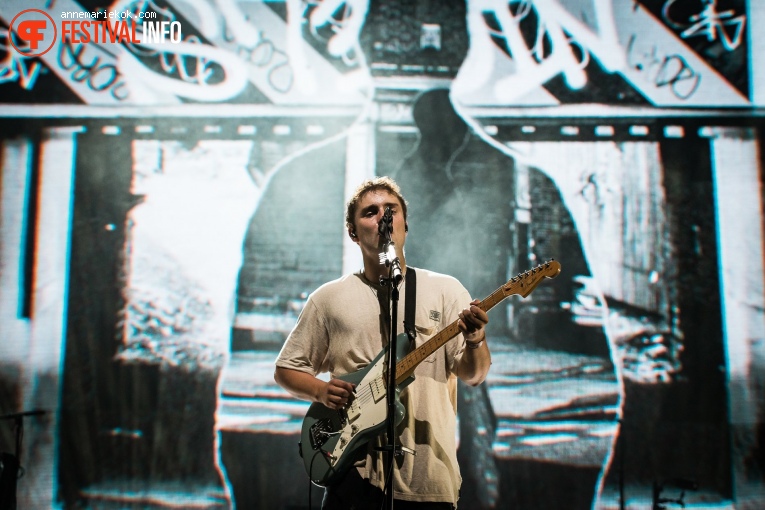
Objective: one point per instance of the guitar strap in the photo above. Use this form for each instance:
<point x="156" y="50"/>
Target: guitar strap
<point x="410" y="304"/>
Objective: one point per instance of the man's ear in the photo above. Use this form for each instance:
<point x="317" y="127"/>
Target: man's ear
<point x="352" y="234"/>
<point x="406" y="227"/>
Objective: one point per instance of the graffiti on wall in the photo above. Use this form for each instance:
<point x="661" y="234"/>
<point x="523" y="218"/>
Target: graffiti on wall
<point x="675" y="53"/>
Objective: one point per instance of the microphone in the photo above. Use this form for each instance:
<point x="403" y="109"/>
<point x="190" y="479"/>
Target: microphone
<point x="385" y="227"/>
<point x="388" y="255"/>
<point x="389" y="258"/>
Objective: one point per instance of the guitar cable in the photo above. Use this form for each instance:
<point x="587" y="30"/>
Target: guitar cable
<point x="310" y="478"/>
<point x="325" y="455"/>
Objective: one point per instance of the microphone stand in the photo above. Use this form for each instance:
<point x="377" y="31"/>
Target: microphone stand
<point x="683" y="484"/>
<point x="389" y="258"/>
<point x="12" y="463"/>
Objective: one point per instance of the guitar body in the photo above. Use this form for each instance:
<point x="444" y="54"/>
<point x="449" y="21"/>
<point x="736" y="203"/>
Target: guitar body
<point x="330" y="437"/>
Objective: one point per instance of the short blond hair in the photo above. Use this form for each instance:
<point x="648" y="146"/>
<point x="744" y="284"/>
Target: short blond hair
<point x="379" y="183"/>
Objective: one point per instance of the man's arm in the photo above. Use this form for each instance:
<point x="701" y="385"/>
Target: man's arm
<point x="334" y="394"/>
<point x="476" y="359"/>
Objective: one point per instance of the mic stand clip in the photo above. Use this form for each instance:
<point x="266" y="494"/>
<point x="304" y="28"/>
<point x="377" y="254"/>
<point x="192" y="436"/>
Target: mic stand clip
<point x="390" y="259"/>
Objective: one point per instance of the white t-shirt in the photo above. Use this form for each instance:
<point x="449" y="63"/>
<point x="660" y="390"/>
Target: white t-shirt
<point x="340" y="331"/>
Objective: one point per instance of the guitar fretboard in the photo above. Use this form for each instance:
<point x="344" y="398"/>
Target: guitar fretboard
<point x="521" y="284"/>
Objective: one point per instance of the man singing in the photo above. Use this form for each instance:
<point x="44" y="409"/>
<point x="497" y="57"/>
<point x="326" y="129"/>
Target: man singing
<point x="344" y="326"/>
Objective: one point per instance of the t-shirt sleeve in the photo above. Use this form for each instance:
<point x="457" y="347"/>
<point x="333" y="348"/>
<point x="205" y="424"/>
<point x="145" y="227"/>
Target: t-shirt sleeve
<point x="306" y="346"/>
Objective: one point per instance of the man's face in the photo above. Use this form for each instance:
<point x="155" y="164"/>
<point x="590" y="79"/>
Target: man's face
<point x="369" y="213"/>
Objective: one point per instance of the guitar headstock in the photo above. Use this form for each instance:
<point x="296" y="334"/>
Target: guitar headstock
<point x="525" y="282"/>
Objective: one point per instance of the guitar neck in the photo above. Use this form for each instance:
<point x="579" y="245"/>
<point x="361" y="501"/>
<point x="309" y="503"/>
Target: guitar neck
<point x="521" y="284"/>
<point x="406" y="366"/>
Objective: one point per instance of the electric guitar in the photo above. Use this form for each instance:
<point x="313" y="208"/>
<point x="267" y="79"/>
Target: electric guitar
<point x="330" y="437"/>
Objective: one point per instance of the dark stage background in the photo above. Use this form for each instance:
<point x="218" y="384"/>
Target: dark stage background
<point x="165" y="210"/>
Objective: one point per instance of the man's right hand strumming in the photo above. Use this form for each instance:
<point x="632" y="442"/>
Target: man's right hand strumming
<point x="334" y="394"/>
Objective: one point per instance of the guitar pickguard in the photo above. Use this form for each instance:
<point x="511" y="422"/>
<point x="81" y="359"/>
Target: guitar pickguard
<point x="334" y="434"/>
